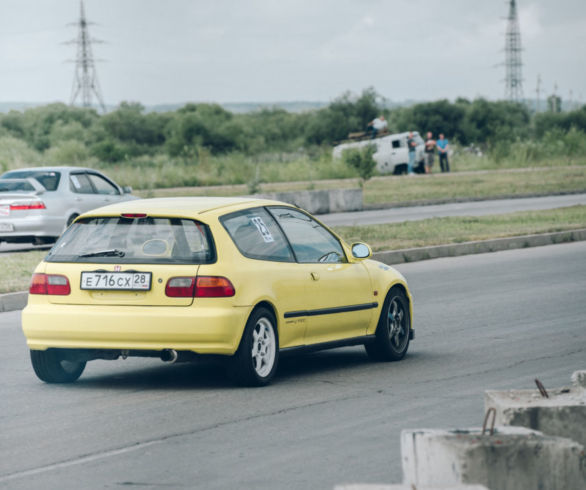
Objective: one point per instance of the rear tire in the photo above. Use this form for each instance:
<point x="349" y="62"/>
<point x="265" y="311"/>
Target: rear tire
<point x="255" y="361"/>
<point x="393" y="330"/>
<point x="51" y="367"/>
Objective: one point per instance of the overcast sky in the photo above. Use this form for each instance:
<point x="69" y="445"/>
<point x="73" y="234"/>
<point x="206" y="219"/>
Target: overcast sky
<point x="284" y="50"/>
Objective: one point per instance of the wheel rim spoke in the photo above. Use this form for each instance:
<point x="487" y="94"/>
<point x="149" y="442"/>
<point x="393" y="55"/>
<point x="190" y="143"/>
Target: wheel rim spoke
<point x="396" y="323"/>
<point x="263" y="347"/>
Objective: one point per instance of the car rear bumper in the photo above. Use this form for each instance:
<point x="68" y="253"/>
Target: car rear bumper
<point x="32" y="226"/>
<point x="198" y="329"/>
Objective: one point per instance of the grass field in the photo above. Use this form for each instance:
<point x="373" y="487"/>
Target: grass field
<point x="440" y="231"/>
<point x="408" y="190"/>
<point x="18" y="267"/>
<point x="473" y="185"/>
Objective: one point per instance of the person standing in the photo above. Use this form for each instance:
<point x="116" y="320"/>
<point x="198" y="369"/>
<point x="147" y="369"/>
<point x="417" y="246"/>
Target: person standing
<point x="442" y="148"/>
<point x="411" y="145"/>
<point x="429" y="152"/>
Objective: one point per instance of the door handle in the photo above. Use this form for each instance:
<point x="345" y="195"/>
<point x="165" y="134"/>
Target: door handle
<point x="315" y="276"/>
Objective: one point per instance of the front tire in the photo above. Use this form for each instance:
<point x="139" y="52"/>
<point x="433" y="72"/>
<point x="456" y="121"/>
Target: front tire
<point x="51" y="367"/>
<point x="255" y="361"/>
<point x="393" y="330"/>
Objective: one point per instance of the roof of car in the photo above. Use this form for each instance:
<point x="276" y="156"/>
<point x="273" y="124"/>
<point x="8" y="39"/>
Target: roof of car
<point x="181" y="206"/>
<point x="59" y="168"/>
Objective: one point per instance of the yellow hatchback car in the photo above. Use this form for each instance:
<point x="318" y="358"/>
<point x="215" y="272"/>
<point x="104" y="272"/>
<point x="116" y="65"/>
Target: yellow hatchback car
<point x="179" y="278"/>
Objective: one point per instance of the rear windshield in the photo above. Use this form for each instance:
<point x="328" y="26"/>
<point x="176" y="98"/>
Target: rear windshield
<point x="20" y="186"/>
<point x="48" y="179"/>
<point x="135" y="241"/>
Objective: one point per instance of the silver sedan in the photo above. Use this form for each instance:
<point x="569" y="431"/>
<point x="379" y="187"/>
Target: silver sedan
<point x="38" y="204"/>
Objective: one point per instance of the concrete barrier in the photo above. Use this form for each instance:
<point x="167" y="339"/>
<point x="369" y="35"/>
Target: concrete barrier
<point x="374" y="486"/>
<point x="579" y="380"/>
<point x="563" y="414"/>
<point x="321" y="201"/>
<point x="513" y="458"/>
<point x="13" y="301"/>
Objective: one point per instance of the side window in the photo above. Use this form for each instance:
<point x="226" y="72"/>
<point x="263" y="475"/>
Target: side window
<point x="257" y="236"/>
<point x="396" y="143"/>
<point x="103" y="186"/>
<point x="311" y="242"/>
<point x="80" y="184"/>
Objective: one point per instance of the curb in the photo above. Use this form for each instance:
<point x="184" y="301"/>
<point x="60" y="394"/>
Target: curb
<point x="484" y="246"/>
<point x="17" y="301"/>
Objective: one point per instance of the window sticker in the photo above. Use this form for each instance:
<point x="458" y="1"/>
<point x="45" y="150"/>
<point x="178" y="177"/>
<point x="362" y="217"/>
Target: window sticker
<point x="75" y="181"/>
<point x="262" y="229"/>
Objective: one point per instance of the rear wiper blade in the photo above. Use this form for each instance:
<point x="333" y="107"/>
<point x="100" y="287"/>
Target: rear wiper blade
<point x="105" y="253"/>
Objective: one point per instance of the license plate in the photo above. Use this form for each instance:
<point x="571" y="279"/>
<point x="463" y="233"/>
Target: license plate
<point x="116" y="281"/>
<point x="6" y="227"/>
<point x="4" y="210"/>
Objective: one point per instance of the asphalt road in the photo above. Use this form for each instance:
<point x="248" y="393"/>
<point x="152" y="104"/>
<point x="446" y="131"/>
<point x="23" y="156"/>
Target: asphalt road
<point x="484" y="321"/>
<point x="21" y="247"/>
<point x="474" y="208"/>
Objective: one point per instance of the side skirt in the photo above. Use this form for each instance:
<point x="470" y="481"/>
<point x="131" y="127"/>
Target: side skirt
<point x="329" y="345"/>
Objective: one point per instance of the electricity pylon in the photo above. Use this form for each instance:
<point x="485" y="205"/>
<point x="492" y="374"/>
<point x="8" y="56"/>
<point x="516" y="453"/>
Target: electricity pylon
<point x="513" y="64"/>
<point x="85" y="79"/>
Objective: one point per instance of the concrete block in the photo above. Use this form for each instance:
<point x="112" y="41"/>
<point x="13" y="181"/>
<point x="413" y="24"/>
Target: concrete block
<point x="321" y="201"/>
<point x="13" y="301"/>
<point x="513" y="458"/>
<point x="345" y="200"/>
<point x="563" y="414"/>
<point x="375" y="486"/>
<point x="579" y="380"/>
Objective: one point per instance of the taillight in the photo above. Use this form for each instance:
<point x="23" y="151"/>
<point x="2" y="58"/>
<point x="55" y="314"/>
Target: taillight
<point x="52" y="284"/>
<point x="213" y="287"/>
<point x="27" y="205"/>
<point x="180" y="287"/>
<point x="200" y="287"/>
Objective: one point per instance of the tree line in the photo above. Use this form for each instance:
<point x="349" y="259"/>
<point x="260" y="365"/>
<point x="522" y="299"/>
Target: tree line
<point x="129" y="131"/>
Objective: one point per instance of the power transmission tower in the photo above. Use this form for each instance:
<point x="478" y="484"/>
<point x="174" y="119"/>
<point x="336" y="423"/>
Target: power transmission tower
<point x="513" y="76"/>
<point x="85" y="79"/>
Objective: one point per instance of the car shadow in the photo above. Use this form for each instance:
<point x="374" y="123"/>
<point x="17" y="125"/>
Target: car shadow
<point x="210" y="374"/>
<point x="201" y="374"/>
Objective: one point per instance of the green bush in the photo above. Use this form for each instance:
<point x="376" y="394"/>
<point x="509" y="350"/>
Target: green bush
<point x="67" y="153"/>
<point x="361" y="160"/>
<point x="15" y="153"/>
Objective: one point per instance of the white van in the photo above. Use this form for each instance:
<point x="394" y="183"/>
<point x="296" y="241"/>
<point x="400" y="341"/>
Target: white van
<point x="391" y="155"/>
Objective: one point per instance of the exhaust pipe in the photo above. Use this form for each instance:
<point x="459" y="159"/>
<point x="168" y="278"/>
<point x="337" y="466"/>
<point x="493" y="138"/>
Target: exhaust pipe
<point x="169" y="355"/>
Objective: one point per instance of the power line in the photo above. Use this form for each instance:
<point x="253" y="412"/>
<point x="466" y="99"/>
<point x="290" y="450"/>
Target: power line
<point x="513" y="64"/>
<point x="85" y="79"/>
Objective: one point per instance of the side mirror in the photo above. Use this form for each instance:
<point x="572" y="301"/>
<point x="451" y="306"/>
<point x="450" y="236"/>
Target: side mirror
<point x="361" y="251"/>
<point x="127" y="189"/>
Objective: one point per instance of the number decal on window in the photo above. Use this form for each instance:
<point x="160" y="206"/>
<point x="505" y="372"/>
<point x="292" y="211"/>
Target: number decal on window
<point x="262" y="229"/>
